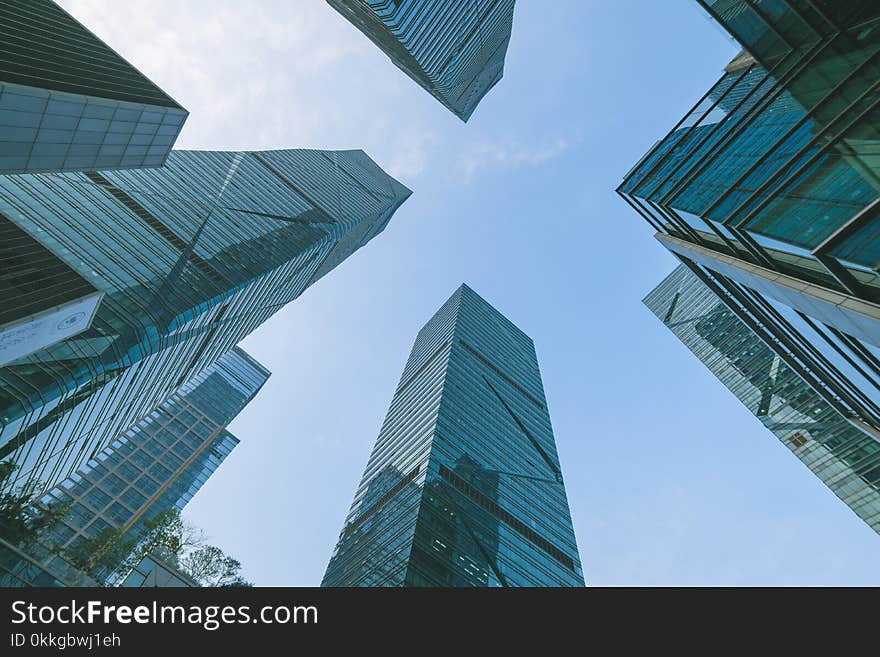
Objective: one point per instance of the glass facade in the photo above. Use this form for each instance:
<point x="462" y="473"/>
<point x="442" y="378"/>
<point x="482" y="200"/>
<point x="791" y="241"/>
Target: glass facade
<point x="44" y="300"/>
<point x="38" y="564"/>
<point x="464" y="486"/>
<point x="161" y="462"/>
<point x="843" y="455"/>
<point x="772" y="30"/>
<point x="453" y="48"/>
<point x="155" y="571"/>
<point x="68" y="102"/>
<point x="768" y="193"/>
<point x="189" y="258"/>
<point x="779" y="163"/>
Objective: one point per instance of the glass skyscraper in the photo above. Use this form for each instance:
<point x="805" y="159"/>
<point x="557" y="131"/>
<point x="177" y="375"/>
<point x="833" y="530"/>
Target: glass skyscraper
<point x="453" y="48"/>
<point x="162" y="461"/>
<point x="777" y="165"/>
<point x="842" y="454"/>
<point x="464" y="486"/>
<point x="70" y="103"/>
<point x="773" y="178"/>
<point x="156" y="465"/>
<point x="186" y="259"/>
<point x="768" y="192"/>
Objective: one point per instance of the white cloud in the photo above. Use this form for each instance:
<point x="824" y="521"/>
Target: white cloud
<point x="412" y="157"/>
<point x="509" y="155"/>
<point x="270" y="74"/>
<point x="295" y="74"/>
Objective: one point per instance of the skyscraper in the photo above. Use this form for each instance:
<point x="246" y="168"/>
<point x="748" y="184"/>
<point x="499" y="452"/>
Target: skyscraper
<point x="768" y="191"/>
<point x="68" y="102"/>
<point x="453" y="48"/>
<point x="189" y="259"/>
<point x="156" y="465"/>
<point x="159" y="463"/>
<point x="464" y="486"/>
<point x="773" y="177"/>
<point x="755" y="369"/>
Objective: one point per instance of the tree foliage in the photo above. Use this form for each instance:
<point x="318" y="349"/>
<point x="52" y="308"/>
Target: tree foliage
<point x="113" y="550"/>
<point x="165" y="535"/>
<point x="209" y="566"/>
<point x="21" y="521"/>
<point x="169" y="535"/>
<point x="106" y="551"/>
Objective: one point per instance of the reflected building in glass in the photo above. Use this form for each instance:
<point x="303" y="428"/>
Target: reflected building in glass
<point x="757" y="370"/>
<point x="768" y="191"/>
<point x="454" y="49"/>
<point x="38" y="565"/>
<point x="777" y="165"/>
<point x="161" y="462"/>
<point x="464" y="486"/>
<point x="157" y="465"/>
<point x="68" y="102"/>
<point x="186" y="261"/>
<point x="773" y="178"/>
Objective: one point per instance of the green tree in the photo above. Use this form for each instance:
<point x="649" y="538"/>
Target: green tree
<point x="109" y="551"/>
<point x="22" y="521"/>
<point x="209" y="566"/>
<point x="169" y="536"/>
<point x="106" y="551"/>
<point x="168" y="533"/>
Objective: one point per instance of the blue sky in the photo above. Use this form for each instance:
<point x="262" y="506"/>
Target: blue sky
<point x="670" y="480"/>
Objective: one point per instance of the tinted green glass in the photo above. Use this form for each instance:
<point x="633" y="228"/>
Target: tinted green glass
<point x="127" y="483"/>
<point x="845" y="458"/>
<point x="464" y="486"/>
<point x="453" y="48"/>
<point x="190" y="258"/>
<point x="68" y="102"/>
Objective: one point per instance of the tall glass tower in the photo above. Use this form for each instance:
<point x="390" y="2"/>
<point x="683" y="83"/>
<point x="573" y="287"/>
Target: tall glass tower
<point x="768" y="191"/>
<point x="838" y="451"/>
<point x="773" y="178"/>
<point x="776" y="166"/>
<point x="453" y="48"/>
<point x="70" y="103"/>
<point x="464" y="486"/>
<point x="161" y="462"/>
<point x="156" y="465"/>
<point x="187" y="260"/>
